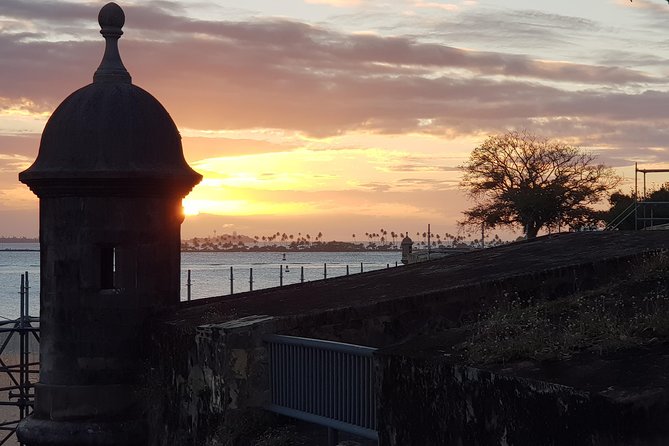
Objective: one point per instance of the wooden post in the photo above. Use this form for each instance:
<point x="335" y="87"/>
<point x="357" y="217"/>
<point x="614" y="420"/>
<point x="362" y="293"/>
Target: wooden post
<point x="232" y="281"/>
<point x="188" y="285"/>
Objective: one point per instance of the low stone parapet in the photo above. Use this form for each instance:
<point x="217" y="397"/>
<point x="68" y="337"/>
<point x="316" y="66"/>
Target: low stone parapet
<point x="428" y="398"/>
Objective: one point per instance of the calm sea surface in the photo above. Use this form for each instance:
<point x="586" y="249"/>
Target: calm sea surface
<point x="210" y="271"/>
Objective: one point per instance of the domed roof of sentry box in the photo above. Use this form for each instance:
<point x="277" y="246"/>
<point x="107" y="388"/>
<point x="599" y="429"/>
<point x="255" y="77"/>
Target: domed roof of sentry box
<point x="110" y="129"/>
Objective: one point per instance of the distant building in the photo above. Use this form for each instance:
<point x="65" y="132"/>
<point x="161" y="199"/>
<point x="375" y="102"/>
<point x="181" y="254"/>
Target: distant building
<point x="410" y="256"/>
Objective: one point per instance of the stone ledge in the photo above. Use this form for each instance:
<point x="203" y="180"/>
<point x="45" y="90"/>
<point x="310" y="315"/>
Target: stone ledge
<point x="427" y="397"/>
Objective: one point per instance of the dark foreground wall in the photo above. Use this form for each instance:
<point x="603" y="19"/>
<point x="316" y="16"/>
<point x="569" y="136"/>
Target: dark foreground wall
<point x="427" y="400"/>
<point x="210" y="358"/>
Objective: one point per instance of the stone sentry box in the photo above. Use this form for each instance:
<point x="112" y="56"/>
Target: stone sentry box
<point x="110" y="176"/>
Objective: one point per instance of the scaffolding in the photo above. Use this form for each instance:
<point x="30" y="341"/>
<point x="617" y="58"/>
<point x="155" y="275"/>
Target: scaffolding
<point x="19" y="366"/>
<point x="642" y="208"/>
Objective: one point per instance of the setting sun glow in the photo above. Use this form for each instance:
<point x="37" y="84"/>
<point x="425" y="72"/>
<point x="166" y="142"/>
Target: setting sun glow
<point x="190" y="208"/>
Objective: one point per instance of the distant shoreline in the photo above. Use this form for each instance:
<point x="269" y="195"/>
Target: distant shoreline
<point x="18" y="240"/>
<point x="18" y="250"/>
<point x="280" y="250"/>
<point x="273" y="249"/>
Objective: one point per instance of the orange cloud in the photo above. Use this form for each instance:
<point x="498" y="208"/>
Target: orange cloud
<point x="337" y="3"/>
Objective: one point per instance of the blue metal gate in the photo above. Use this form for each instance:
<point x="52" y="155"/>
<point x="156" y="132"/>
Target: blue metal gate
<point x="323" y="382"/>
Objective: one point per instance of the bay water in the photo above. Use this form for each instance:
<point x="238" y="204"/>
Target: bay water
<point x="209" y="271"/>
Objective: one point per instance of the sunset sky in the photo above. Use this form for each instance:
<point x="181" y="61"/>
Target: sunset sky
<point x="345" y="116"/>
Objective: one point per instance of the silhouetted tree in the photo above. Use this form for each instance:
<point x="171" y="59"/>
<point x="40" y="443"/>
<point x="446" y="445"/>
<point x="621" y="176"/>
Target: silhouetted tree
<point x="521" y="180"/>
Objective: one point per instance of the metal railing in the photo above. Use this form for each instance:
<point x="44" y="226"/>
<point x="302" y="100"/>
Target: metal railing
<point x="282" y="271"/>
<point x="628" y="212"/>
<point x="643" y="214"/>
<point x="323" y="382"/>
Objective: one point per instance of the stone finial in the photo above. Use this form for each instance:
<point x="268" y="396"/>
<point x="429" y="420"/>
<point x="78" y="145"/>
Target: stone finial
<point x="111" y="69"/>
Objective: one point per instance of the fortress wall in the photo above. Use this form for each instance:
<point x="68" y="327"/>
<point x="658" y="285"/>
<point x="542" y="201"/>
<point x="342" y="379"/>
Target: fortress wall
<point x="208" y="376"/>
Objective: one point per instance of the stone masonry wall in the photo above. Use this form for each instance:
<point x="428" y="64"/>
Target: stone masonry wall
<point x="432" y="402"/>
<point x="205" y="375"/>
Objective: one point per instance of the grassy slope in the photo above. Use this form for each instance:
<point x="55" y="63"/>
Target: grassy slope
<point x="630" y="311"/>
